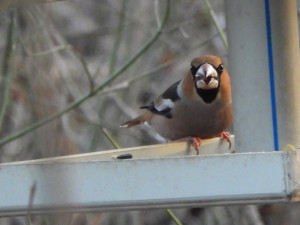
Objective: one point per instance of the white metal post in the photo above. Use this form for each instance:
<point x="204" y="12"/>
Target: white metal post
<point x="264" y="66"/>
<point x="286" y="64"/>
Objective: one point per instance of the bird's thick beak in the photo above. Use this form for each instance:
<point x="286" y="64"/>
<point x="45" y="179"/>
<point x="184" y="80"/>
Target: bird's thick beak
<point x="206" y="77"/>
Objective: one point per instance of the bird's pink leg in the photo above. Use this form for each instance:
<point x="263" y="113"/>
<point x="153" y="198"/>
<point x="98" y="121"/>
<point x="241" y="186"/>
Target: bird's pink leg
<point x="196" y="142"/>
<point x="226" y="136"/>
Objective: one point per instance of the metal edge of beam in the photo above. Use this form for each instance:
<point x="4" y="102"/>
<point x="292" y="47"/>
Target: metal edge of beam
<point x="137" y="206"/>
<point x="294" y="174"/>
<point x="88" y="186"/>
<point x="208" y="147"/>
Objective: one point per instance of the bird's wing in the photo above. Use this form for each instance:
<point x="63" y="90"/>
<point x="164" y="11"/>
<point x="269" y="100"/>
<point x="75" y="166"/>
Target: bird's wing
<point x="164" y="103"/>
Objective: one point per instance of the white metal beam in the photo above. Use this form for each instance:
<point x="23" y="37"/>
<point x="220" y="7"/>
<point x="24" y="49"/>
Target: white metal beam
<point x="186" y="181"/>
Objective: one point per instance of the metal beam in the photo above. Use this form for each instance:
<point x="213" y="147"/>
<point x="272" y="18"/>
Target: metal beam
<point x="43" y="186"/>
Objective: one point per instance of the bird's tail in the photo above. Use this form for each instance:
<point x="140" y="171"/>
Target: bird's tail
<point x="138" y="120"/>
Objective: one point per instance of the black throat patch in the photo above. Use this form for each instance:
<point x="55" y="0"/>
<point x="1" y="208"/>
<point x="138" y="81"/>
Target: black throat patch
<point x="208" y="95"/>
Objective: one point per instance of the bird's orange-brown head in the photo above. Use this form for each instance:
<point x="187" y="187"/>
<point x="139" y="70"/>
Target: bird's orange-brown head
<point x="206" y="74"/>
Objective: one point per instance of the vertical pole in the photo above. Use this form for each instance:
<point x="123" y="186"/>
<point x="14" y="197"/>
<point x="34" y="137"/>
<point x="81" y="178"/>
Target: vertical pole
<point x="264" y="67"/>
<point x="286" y="64"/>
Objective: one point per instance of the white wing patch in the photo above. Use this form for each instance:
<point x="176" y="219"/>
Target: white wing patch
<point x="165" y="104"/>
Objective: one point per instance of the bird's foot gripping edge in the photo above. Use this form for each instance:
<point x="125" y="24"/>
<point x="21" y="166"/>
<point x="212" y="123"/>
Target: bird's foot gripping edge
<point x="194" y="141"/>
<point x="226" y="136"/>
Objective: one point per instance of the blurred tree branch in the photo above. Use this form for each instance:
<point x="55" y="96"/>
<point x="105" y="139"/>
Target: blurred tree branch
<point x="216" y="23"/>
<point x="60" y="48"/>
<point x="118" y="37"/>
<point x="4" y="4"/>
<point x="8" y="65"/>
<point x="95" y="90"/>
<point x="125" y="84"/>
<point x="110" y="138"/>
<point x="173" y="217"/>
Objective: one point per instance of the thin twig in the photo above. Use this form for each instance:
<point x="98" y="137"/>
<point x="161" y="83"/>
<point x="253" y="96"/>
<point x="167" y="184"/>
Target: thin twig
<point x="78" y="102"/>
<point x="216" y="23"/>
<point x="156" y="11"/>
<point x="15" y="3"/>
<point x="30" y="203"/>
<point x="8" y="65"/>
<point x="173" y="217"/>
<point x="46" y="52"/>
<point x="84" y="65"/>
<point x="118" y="37"/>
<point x="110" y="138"/>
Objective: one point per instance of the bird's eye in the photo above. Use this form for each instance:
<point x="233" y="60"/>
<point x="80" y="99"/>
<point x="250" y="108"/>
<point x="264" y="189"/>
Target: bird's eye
<point x="193" y="70"/>
<point x="220" y="68"/>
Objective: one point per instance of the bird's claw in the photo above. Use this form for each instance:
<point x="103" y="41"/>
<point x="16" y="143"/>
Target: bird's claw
<point x="195" y="142"/>
<point x="226" y="136"/>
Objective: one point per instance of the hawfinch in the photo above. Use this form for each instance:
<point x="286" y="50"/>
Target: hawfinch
<point x="196" y="107"/>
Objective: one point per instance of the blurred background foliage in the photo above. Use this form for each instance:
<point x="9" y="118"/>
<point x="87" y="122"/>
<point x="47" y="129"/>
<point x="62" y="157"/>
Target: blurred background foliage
<point x="54" y="54"/>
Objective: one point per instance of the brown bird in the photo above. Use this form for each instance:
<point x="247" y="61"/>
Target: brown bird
<point x="196" y="107"/>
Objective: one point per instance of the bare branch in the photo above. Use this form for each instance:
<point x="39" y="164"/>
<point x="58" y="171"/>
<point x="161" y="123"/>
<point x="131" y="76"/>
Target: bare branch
<point x="17" y="3"/>
<point x="118" y="37"/>
<point x="216" y="23"/>
<point x="125" y="84"/>
<point x="78" y="102"/>
<point x="73" y="50"/>
<point x="8" y="65"/>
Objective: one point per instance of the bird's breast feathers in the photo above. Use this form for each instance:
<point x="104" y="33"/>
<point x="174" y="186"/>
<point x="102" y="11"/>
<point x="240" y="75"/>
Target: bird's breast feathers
<point x="192" y="117"/>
